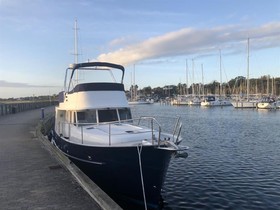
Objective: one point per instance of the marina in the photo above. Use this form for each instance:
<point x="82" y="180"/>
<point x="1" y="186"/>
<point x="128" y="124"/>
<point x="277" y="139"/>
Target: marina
<point x="233" y="158"/>
<point x="212" y="101"/>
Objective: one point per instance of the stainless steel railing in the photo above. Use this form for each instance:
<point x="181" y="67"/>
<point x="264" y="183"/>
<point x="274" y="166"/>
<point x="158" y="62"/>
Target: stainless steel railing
<point x="150" y="123"/>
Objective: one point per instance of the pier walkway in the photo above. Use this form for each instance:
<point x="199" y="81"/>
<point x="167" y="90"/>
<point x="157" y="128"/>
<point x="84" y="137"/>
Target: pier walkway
<point x="30" y="177"/>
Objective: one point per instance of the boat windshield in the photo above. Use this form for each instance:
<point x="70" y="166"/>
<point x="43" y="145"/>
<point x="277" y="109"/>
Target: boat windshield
<point x="125" y="114"/>
<point x="104" y="115"/>
<point x="109" y="115"/>
<point x="88" y="116"/>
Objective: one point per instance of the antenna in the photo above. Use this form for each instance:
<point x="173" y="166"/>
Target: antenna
<point x="76" y="54"/>
<point x="76" y="42"/>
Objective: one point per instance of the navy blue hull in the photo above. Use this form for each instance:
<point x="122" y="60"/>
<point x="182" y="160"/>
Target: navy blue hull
<point x="117" y="171"/>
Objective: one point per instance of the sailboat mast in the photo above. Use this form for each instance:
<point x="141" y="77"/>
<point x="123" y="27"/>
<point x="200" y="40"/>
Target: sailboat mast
<point x="202" y="80"/>
<point x="131" y="88"/>
<point x="193" y="77"/>
<point x="220" y="90"/>
<point x="134" y="86"/>
<point x="248" y="80"/>
<point x="187" y="78"/>
<point x="267" y="85"/>
<point x="272" y="86"/>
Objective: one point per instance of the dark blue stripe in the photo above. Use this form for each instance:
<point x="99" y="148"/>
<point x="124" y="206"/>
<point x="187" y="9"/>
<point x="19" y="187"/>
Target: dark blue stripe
<point x="99" y="87"/>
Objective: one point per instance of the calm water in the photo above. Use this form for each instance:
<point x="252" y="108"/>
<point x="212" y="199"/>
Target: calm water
<point x="233" y="162"/>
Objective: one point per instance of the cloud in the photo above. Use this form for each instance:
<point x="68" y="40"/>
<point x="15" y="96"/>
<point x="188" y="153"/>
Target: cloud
<point x="121" y="41"/>
<point x="6" y="84"/>
<point x="196" y="42"/>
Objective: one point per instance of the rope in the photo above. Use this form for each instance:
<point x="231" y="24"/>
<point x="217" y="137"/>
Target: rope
<point x="141" y="173"/>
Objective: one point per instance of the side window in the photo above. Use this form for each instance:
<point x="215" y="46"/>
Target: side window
<point x="125" y="114"/>
<point x="107" y="115"/>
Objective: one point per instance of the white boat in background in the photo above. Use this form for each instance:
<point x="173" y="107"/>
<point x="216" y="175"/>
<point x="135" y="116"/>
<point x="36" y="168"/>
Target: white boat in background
<point x="221" y="100"/>
<point x="267" y="103"/>
<point x="213" y="101"/>
<point x="278" y="104"/>
<point x="136" y="99"/>
<point x="196" y="101"/>
<point x="141" y="102"/>
<point x="180" y="100"/>
<point x="245" y="103"/>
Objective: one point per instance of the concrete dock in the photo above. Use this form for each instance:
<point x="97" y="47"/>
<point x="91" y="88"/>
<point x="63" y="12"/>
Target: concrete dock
<point x="32" y="178"/>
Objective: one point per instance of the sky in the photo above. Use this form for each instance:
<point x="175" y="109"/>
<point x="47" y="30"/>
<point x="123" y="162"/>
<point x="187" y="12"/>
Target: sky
<point x="160" y="42"/>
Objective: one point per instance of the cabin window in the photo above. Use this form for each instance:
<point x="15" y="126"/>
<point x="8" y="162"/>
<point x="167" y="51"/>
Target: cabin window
<point x="88" y="116"/>
<point x="124" y="114"/>
<point x="91" y="116"/>
<point x="108" y="115"/>
<point x="81" y="117"/>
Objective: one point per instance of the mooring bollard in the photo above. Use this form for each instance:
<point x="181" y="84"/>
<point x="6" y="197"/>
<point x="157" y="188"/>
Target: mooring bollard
<point x="42" y="113"/>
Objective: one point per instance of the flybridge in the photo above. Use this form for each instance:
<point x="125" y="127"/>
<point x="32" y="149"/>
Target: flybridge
<point x="96" y="64"/>
<point x="82" y="75"/>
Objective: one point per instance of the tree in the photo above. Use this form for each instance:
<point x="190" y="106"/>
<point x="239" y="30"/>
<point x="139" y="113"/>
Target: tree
<point x="147" y="91"/>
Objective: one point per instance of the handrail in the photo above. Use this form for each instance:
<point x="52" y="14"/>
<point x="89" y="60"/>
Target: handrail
<point x="176" y="125"/>
<point x="159" y="127"/>
<point x="153" y="125"/>
<point x="178" y="135"/>
<point x="177" y="130"/>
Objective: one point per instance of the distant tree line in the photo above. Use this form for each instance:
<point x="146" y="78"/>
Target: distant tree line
<point x="264" y="85"/>
<point x="32" y="98"/>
